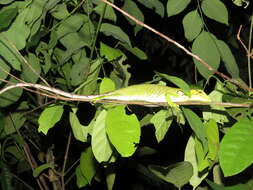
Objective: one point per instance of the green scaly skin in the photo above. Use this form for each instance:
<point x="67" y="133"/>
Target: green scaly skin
<point x="152" y="93"/>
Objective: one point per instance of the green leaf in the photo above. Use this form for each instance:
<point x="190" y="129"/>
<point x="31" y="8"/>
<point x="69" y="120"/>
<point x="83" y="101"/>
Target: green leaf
<point x="196" y="125"/>
<point x="217" y="113"/>
<point x="4" y="2"/>
<point x="6" y="17"/>
<point x="109" y="53"/>
<point x="212" y="133"/>
<point x="221" y="187"/>
<point x="236" y="148"/>
<point x="4" y="69"/>
<point x="215" y="9"/>
<point x="110" y="176"/>
<point x="177" y="81"/>
<point x="9" y="54"/>
<point x="175" y="7"/>
<point x="20" y="27"/>
<point x="228" y="59"/>
<point x="60" y="11"/>
<point x="123" y="130"/>
<point x="6" y="176"/>
<point x="107" y="85"/>
<point x="202" y="160"/>
<point x="135" y="51"/>
<point x="190" y="156"/>
<point x="109" y="12"/>
<point x="71" y="24"/>
<point x="116" y="32"/>
<point x="13" y="123"/>
<point x="81" y="181"/>
<point x="162" y="123"/>
<point x="88" y="164"/>
<point x="90" y="85"/>
<point x="192" y="24"/>
<point x="178" y="174"/>
<point x="131" y="8"/>
<point x="11" y="96"/>
<point x="41" y="168"/>
<point x="204" y="46"/>
<point x="35" y="11"/>
<point x="100" y="144"/>
<point x="78" y="72"/>
<point x="121" y="75"/>
<point x="80" y="132"/>
<point x="31" y="70"/>
<point x="49" y="117"/>
<point x="155" y="5"/>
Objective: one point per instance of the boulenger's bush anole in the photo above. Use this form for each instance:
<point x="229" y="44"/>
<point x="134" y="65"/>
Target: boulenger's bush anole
<point x="152" y="94"/>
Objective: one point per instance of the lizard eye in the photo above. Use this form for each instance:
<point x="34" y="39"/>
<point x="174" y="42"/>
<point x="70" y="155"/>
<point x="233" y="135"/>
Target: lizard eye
<point x="180" y="93"/>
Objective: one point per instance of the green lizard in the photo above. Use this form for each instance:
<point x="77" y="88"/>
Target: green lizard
<point x="152" y="94"/>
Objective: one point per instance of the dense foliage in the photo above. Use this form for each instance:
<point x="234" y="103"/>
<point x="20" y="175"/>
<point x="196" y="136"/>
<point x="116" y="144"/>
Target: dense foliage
<point x="88" y="47"/>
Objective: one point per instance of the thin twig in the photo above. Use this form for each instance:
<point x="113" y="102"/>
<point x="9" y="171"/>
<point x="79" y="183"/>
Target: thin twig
<point x="65" y="162"/>
<point x="243" y="86"/>
<point x="241" y="42"/>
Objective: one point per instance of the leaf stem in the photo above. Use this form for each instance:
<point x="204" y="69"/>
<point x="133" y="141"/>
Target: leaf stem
<point x="97" y="31"/>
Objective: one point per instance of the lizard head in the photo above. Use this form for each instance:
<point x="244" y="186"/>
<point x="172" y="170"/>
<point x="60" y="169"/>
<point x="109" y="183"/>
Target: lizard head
<point x="195" y="95"/>
<point x="199" y="95"/>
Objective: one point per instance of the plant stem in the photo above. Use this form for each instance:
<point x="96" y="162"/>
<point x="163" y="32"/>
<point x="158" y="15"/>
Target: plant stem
<point x="97" y="31"/>
<point x="249" y="49"/>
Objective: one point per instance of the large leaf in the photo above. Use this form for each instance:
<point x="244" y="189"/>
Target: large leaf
<point x="178" y="174"/>
<point x="35" y="11"/>
<point x="190" y="156"/>
<point x="116" y="32"/>
<point x="11" y="96"/>
<point x="20" y="27"/>
<point x="196" y="125"/>
<point x="4" y="69"/>
<point x="49" y="117"/>
<point x="135" y="51"/>
<point x="106" y="85"/>
<point x="123" y="130"/>
<point x="109" y="53"/>
<point x="109" y="12"/>
<point x="133" y="9"/>
<point x="6" y="17"/>
<point x="162" y="122"/>
<point x="175" y="7"/>
<point x="101" y="147"/>
<point x="88" y="164"/>
<point x="9" y="54"/>
<point x="37" y="171"/>
<point x="192" y="24"/>
<point x="215" y="9"/>
<point x="177" y="81"/>
<point x="60" y="11"/>
<point x="236" y="148"/>
<point x="81" y="181"/>
<point x="232" y="187"/>
<point x="78" y="72"/>
<point x="80" y="132"/>
<point x="228" y="59"/>
<point x="204" y="46"/>
<point x="217" y="113"/>
<point x="31" y="70"/>
<point x="13" y="122"/>
<point x="154" y="5"/>
<point x="212" y="133"/>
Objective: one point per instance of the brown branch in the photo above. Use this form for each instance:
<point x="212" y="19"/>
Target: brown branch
<point x="62" y="95"/>
<point x="243" y="45"/>
<point x="243" y="86"/>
